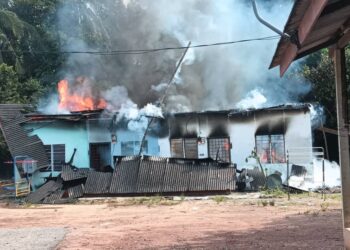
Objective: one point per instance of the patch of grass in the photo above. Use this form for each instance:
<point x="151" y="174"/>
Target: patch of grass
<point x="274" y="193"/>
<point x="324" y="206"/>
<point x="264" y="203"/>
<point x="272" y="203"/>
<point x="182" y="197"/>
<point x="219" y="199"/>
<point x="337" y="196"/>
<point x="148" y="201"/>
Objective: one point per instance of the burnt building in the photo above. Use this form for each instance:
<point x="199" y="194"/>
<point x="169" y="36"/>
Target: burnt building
<point x="235" y="135"/>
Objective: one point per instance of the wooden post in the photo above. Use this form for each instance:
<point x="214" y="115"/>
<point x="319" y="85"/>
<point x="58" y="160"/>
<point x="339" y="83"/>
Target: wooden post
<point x="343" y="138"/>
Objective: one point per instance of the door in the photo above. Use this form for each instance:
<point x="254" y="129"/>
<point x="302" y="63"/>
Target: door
<point x="100" y="156"/>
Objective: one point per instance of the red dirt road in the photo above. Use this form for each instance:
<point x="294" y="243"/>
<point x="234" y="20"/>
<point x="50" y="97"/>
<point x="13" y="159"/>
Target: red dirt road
<point x="203" y="224"/>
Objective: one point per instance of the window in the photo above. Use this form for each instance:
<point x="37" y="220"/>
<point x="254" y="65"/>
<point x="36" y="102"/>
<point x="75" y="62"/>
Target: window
<point x="56" y="154"/>
<point x="177" y="149"/>
<point x="270" y="148"/>
<point x="184" y="148"/>
<point x="219" y="149"/>
<point x="133" y="148"/>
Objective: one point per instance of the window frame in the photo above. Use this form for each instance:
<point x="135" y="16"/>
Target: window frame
<point x="52" y="154"/>
<point x="228" y="151"/>
<point x="270" y="158"/>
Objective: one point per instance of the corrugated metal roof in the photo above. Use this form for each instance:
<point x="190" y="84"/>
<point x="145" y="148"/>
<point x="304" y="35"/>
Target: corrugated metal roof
<point x="16" y="137"/>
<point x="124" y="179"/>
<point x="44" y="191"/>
<point x="54" y="197"/>
<point x="76" y="191"/>
<point x="69" y="173"/>
<point x="97" y="183"/>
<point x="151" y="175"/>
<point x="163" y="175"/>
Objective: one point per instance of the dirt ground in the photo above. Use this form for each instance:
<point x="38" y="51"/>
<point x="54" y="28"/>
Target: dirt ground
<point x="221" y="222"/>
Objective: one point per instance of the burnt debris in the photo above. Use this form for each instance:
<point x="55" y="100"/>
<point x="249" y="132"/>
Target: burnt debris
<point x="138" y="176"/>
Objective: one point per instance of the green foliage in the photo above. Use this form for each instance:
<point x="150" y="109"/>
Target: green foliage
<point x="12" y="90"/>
<point x="318" y="69"/>
<point x="273" y="193"/>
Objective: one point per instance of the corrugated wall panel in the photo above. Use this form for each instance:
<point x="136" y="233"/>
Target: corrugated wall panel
<point x="97" y="183"/>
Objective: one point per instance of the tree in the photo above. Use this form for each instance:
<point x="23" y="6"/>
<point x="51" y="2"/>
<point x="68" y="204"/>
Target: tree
<point x="12" y="90"/>
<point x="318" y="70"/>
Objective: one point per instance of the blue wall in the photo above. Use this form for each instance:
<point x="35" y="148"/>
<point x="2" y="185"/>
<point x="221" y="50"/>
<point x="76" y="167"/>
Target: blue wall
<point x="127" y="135"/>
<point x="72" y="134"/>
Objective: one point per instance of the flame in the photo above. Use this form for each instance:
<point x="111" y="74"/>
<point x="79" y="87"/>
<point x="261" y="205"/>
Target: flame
<point x="74" y="101"/>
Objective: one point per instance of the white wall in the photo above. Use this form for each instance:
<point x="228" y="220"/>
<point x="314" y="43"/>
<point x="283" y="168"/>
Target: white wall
<point x="242" y="129"/>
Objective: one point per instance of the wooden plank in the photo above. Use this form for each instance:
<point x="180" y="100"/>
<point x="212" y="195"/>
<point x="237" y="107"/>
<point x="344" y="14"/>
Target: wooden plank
<point x="344" y="40"/>
<point x="343" y="138"/>
<point x="310" y="18"/>
<point x="307" y="23"/>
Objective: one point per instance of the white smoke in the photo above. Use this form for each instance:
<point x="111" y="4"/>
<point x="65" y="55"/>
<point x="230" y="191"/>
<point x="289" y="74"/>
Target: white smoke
<point x="254" y="99"/>
<point x="331" y="173"/>
<point x="318" y="117"/>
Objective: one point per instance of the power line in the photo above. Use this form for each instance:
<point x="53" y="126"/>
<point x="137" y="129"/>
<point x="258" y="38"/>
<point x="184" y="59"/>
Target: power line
<point x="146" y="51"/>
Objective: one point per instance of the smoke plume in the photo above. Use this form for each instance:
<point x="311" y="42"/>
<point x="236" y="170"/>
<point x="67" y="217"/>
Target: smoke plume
<point x="213" y="78"/>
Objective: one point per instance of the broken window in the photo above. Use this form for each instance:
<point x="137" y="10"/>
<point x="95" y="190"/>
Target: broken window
<point x="129" y="148"/>
<point x="219" y="149"/>
<point x="270" y="148"/>
<point x="184" y="148"/>
<point x="56" y="153"/>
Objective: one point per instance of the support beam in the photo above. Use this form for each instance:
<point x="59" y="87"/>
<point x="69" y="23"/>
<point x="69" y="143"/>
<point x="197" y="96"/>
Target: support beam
<point x="343" y="139"/>
<point x="344" y="40"/>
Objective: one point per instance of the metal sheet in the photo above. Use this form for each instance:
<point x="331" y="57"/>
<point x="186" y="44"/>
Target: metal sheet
<point x="54" y="197"/>
<point x="124" y="180"/>
<point x="164" y="175"/>
<point x="44" y="191"/>
<point x="151" y="175"/>
<point x="76" y="191"/>
<point x="16" y="137"/>
<point x="97" y="183"/>
<point x="69" y="174"/>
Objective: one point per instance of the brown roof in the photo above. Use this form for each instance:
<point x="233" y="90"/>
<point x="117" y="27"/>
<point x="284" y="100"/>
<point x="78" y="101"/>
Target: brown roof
<point x="318" y="24"/>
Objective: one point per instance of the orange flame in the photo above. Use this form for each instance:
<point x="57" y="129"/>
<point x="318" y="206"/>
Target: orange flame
<point x="73" y="101"/>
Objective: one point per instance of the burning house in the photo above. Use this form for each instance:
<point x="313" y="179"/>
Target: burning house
<point x="235" y="135"/>
<point x="94" y="139"/>
<point x="86" y="131"/>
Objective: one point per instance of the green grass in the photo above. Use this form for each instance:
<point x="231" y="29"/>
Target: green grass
<point x="147" y="201"/>
<point x="219" y="198"/>
<point x="274" y="193"/>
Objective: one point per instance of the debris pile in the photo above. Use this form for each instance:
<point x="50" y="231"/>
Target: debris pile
<point x="138" y="176"/>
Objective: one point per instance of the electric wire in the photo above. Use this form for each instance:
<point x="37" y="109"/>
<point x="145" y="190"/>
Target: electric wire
<point x="145" y="51"/>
